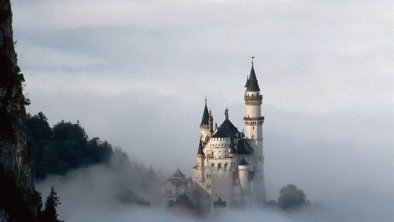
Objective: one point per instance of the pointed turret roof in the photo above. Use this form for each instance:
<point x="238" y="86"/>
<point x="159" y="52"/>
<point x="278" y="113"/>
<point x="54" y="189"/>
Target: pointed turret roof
<point x="205" y="115"/>
<point x="252" y="82"/>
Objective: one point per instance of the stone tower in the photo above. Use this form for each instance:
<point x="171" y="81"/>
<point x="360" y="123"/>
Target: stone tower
<point x="254" y="132"/>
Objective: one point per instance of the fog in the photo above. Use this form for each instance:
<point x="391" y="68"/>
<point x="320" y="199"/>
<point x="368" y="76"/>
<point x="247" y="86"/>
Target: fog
<point x="92" y="194"/>
<point x="136" y="73"/>
<point x="345" y="171"/>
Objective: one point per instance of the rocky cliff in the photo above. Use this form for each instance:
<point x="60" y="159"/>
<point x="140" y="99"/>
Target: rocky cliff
<point x="18" y="200"/>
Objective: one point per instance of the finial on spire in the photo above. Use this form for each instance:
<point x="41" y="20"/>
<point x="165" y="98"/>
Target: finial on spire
<point x="226" y="113"/>
<point x="251" y="82"/>
<point x="205" y="100"/>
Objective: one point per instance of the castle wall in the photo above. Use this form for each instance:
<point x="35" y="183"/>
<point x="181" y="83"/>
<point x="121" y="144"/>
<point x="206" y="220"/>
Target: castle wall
<point x="168" y="193"/>
<point x="222" y="185"/>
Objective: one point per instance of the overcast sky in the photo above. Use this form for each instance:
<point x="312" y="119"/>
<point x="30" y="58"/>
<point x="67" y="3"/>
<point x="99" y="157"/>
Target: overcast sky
<point x="136" y="73"/>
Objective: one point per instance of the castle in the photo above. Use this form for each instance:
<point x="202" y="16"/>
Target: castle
<point x="229" y="163"/>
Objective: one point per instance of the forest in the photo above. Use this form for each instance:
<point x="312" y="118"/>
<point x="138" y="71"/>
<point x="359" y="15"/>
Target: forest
<point x="63" y="147"/>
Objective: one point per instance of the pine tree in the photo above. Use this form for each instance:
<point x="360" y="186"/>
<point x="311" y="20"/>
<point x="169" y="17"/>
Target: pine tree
<point x="49" y="214"/>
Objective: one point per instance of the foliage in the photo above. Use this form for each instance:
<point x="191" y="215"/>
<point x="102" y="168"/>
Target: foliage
<point x="291" y="197"/>
<point x="49" y="214"/>
<point x="63" y="147"/>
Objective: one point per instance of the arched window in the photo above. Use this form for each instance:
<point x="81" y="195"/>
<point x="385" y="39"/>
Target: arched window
<point x="225" y="167"/>
<point x="219" y="166"/>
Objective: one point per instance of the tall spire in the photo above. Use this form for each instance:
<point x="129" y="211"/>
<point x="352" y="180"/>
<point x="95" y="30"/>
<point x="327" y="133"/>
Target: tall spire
<point x="252" y="82"/>
<point x="205" y="115"/>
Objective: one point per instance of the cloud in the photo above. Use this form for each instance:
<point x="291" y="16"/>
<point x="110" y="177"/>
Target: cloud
<point x="136" y="73"/>
<point x="91" y="195"/>
<point x="46" y="58"/>
<point x="311" y="56"/>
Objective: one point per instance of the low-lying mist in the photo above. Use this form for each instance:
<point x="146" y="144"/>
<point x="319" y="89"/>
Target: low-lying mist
<point x="126" y="191"/>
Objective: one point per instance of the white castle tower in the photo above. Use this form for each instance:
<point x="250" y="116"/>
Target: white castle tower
<point x="254" y="131"/>
<point x="229" y="163"/>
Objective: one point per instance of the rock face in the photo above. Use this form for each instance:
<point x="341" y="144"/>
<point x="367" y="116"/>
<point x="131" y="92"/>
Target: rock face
<point x="14" y="153"/>
<point x="18" y="200"/>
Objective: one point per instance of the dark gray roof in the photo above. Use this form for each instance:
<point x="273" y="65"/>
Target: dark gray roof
<point x="243" y="162"/>
<point x="200" y="147"/>
<point x="227" y="129"/>
<point x="243" y="147"/>
<point x="178" y="181"/>
<point x="178" y="174"/>
<point x="247" y="81"/>
<point x="252" y="82"/>
<point x="205" y="115"/>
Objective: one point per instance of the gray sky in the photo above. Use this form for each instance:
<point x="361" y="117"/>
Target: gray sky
<point x="136" y="73"/>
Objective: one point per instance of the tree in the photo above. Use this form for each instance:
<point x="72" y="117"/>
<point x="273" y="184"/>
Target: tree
<point x="63" y="147"/>
<point x="290" y="197"/>
<point x="39" y="135"/>
<point x="49" y="214"/>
